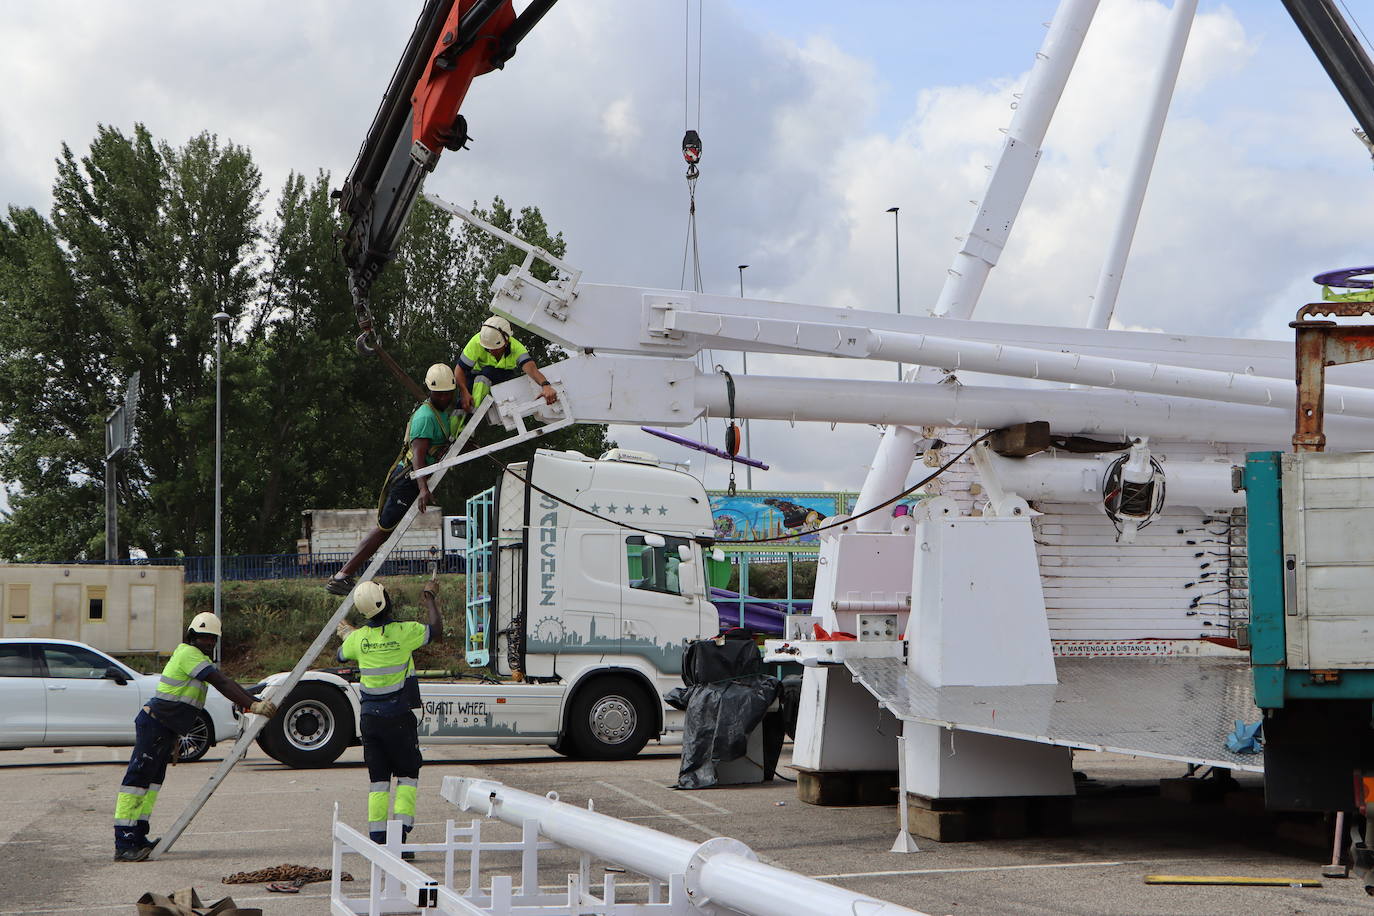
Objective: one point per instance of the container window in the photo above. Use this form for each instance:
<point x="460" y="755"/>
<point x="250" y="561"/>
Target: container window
<point x="95" y="603"/>
<point x="17" y="602"/>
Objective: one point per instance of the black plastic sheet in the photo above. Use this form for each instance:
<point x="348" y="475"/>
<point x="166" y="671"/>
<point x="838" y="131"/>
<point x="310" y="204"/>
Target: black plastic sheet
<point x="726" y="698"/>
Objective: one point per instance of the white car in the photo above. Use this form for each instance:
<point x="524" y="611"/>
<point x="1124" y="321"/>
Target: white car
<point x="57" y="693"/>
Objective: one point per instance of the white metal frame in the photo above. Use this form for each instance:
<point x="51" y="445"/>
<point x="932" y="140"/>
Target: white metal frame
<point x="720" y="876"/>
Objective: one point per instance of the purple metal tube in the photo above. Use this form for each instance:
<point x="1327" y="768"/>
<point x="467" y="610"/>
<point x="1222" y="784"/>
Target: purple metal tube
<point x="703" y="447"/>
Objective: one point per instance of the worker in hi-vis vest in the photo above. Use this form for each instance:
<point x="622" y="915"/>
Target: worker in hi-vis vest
<point x="383" y="648"/>
<point x="159" y="726"/>
<point x="432" y="428"/>
<point x="493" y="356"/>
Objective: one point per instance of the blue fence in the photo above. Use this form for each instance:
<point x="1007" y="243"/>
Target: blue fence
<point x="247" y="567"/>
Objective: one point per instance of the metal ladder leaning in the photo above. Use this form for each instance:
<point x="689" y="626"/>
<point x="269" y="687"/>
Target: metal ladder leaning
<point x="513" y="418"/>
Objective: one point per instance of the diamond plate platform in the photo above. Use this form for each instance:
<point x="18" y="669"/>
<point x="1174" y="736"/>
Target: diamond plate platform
<point x="1173" y="709"/>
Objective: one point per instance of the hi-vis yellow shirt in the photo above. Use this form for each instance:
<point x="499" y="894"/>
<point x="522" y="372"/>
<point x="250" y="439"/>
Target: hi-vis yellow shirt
<point x="384" y="657"/>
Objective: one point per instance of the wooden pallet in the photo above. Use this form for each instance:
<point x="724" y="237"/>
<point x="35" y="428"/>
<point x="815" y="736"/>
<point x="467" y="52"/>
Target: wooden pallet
<point x="846" y="788"/>
<point x="958" y="820"/>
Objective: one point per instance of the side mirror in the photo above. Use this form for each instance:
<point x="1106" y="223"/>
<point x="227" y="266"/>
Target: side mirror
<point x="684" y="553"/>
<point x="654" y="540"/>
<point x="718" y="555"/>
<point x="114" y="674"/>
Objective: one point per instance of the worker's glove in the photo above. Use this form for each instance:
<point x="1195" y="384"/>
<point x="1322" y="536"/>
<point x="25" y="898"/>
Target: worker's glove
<point x="265" y="708"/>
<point x="343" y="629"/>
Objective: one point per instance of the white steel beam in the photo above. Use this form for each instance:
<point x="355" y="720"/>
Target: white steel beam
<point x="626" y="319"/>
<point x="1119" y="248"/>
<point x="1012" y="174"/>
<point x="1023" y="362"/>
<point x="671" y="392"/>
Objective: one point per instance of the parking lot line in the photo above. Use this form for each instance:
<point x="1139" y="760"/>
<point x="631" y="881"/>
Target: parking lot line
<point x="681" y="819"/>
<point x="974" y="868"/>
<point x="691" y="796"/>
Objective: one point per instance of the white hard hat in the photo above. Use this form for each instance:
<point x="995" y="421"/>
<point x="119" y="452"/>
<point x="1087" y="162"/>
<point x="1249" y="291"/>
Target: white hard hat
<point x="440" y="378"/>
<point x="495" y="332"/>
<point x="370" y="598"/>
<point x="205" y="622"/>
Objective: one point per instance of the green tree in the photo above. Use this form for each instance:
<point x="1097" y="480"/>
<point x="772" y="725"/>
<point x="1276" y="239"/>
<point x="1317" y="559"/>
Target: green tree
<point x="146" y="243"/>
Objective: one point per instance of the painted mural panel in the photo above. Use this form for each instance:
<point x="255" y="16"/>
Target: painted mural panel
<point x="768" y="514"/>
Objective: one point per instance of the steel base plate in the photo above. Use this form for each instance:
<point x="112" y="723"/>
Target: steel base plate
<point x="1173" y="709"/>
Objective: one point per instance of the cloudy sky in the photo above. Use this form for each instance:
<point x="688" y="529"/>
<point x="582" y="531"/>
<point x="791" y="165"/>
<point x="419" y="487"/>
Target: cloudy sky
<point x="815" y="116"/>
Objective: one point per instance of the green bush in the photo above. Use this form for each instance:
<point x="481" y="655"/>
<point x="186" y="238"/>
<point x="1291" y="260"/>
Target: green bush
<point x="269" y="624"/>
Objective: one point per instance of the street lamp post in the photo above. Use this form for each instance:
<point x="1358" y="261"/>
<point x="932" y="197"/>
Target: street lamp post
<point x="748" y="447"/>
<point x="897" y="264"/>
<point x="220" y="319"/>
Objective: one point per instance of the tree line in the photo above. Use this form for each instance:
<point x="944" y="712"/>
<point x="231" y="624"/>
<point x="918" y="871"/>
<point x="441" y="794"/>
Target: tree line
<point x="144" y="244"/>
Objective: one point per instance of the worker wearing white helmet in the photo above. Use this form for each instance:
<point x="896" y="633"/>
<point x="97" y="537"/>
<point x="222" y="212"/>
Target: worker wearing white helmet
<point x="432" y="428"/>
<point x="172" y="712"/>
<point x="383" y="647"/>
<point x="493" y="356"/>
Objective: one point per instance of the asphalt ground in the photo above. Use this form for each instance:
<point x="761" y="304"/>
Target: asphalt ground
<point x="56" y="836"/>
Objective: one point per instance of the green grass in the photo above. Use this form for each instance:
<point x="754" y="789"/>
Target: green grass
<point x="269" y="624"/>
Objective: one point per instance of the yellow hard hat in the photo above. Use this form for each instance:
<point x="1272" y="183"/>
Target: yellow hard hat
<point x="205" y="622"/>
<point x="495" y="333"/>
<point x="370" y="598"/>
<point x="440" y="378"/>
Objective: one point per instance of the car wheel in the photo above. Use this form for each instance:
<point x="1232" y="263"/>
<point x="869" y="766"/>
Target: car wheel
<point x="198" y="741"/>
<point x="609" y="719"/>
<point x="311" y="729"/>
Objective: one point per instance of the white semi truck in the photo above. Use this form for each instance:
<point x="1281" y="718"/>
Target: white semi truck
<point x="580" y="623"/>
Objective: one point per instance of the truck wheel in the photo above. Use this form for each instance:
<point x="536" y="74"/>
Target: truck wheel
<point x="312" y="729"/>
<point x="609" y="719"/>
<point x="197" y="742"/>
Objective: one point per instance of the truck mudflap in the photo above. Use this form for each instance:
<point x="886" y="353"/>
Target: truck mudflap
<point x="1171" y="709"/>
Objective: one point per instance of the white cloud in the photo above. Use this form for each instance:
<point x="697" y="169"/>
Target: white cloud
<point x="586" y="121"/>
<point x="620" y="125"/>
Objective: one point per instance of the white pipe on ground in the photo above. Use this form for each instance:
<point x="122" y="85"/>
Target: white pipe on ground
<point x="720" y="871"/>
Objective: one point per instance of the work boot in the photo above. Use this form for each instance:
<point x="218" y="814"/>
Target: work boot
<point x="132" y="853"/>
<point x="340" y="587"/>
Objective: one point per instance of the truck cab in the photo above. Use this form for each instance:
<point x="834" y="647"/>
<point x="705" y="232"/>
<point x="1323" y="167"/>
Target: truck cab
<point x="593" y="561"/>
<point x="585" y="582"/>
